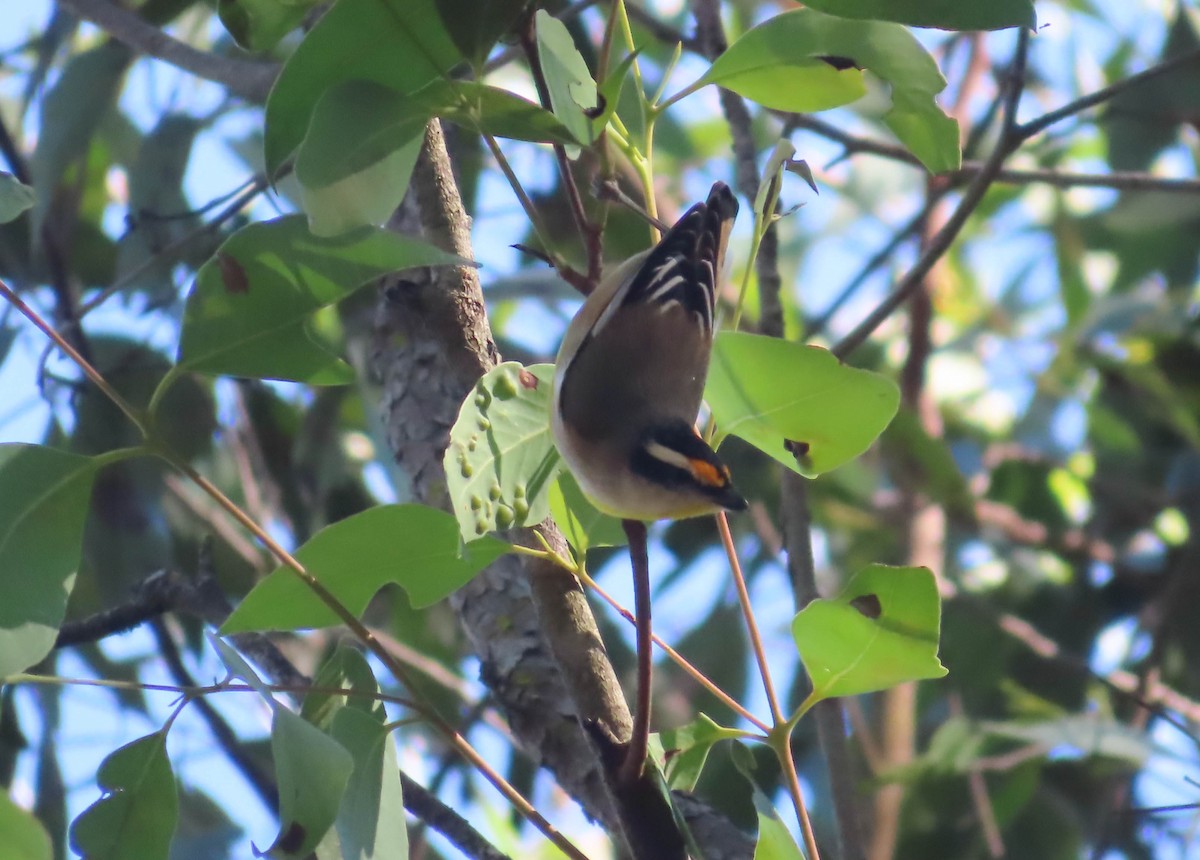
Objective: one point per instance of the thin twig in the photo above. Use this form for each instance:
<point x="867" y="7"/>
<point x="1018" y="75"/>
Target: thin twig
<point x="677" y="658"/>
<point x="940" y="243"/>
<point x="397" y="669"/>
<point x="589" y="233"/>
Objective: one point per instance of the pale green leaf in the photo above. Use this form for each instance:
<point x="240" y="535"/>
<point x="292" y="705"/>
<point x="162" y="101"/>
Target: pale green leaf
<point x="501" y="461"/>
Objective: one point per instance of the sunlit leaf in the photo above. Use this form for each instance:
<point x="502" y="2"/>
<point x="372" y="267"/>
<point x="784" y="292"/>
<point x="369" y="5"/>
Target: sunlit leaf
<point x="581" y="522"/>
<point x="798" y="404"/>
<point x="494" y="111"/>
<point x="943" y="14"/>
<point x="501" y="460"/>
<point x="882" y="630"/>
<point x="250" y="310"/>
<point x="44" y="495"/>
<point x="685" y="750"/>
<point x="785" y="63"/>
<point x="137" y="815"/>
<point x="414" y="546"/>
<point x="572" y="89"/>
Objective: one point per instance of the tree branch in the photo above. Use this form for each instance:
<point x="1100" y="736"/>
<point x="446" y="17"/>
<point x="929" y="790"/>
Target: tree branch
<point x="248" y="79"/>
<point x="940" y="243"/>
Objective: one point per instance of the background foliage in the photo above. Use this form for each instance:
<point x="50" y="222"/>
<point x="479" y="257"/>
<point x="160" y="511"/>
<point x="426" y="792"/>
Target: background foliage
<point x="202" y="244"/>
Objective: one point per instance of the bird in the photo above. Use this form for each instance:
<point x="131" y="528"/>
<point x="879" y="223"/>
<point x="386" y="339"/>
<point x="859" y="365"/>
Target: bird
<point x="630" y="377"/>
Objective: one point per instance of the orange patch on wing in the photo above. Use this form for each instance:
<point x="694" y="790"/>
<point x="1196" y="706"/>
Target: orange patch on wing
<point x="708" y="474"/>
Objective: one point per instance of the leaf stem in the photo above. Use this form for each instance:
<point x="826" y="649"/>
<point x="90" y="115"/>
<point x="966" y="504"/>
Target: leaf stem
<point x="82" y="363"/>
<point x="782" y="731"/>
<point x="360" y="631"/>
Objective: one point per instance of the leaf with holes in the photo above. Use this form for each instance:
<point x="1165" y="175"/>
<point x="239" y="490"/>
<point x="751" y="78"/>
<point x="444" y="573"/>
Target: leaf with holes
<point x="501" y="460"/>
<point x="882" y="630"/>
<point x="572" y="89"/>
<point x="804" y="60"/>
<point x="797" y="404"/>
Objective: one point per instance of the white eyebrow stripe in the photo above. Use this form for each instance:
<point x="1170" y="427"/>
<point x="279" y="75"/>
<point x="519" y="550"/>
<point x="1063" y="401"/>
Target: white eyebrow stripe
<point x="668" y="455"/>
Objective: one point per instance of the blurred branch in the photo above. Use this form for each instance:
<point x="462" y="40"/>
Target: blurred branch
<point x="227" y="739"/>
<point x="796" y="518"/>
<point x="940" y="243"/>
<point x="255" y="186"/>
<point x="1117" y="180"/>
<point x="1037" y="126"/>
<point x="249" y="79"/>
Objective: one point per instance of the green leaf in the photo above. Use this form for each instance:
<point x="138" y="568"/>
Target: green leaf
<point x="778" y="64"/>
<point x="15" y="197"/>
<point x="930" y="463"/>
<point x="943" y="14"/>
<point x="355" y="163"/>
<point x="685" y="750"/>
<point x="501" y="460"/>
<point x="347" y="670"/>
<point x="258" y="25"/>
<point x="249" y="312"/>
<point x="156" y="187"/>
<point x="882" y="630"/>
<point x="774" y="840"/>
<point x="23" y="836"/>
<point x="371" y="822"/>
<point x="581" y="522"/>
<point x="71" y="113"/>
<point x="311" y="770"/>
<point x="610" y="93"/>
<point x="1091" y="735"/>
<point x="476" y="25"/>
<point x="137" y="815"/>
<point x="572" y="89"/>
<point x="401" y="44"/>
<point x="798" y="404"/>
<point x="414" y="546"/>
<point x="494" y="111"/>
<point x="44" y="496"/>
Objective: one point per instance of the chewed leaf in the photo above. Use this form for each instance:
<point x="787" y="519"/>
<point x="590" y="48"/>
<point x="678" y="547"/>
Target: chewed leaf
<point x="501" y="460"/>
<point x="804" y="60"/>
<point x="882" y="630"/>
<point x="797" y="404"/>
